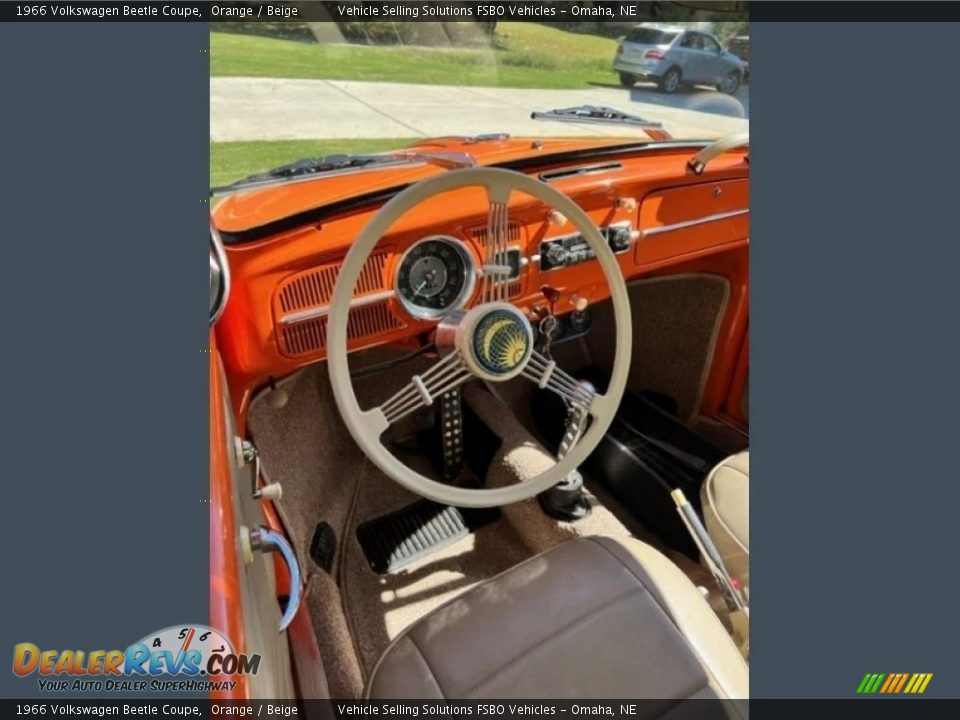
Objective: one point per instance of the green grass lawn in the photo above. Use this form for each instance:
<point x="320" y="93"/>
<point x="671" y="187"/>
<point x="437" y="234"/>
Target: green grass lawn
<point x="230" y="161"/>
<point x="523" y="55"/>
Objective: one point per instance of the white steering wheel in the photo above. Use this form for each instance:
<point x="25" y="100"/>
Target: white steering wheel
<point x="493" y="340"/>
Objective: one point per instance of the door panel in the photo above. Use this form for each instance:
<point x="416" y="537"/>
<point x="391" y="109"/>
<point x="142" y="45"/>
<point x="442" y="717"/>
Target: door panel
<point x="688" y="58"/>
<point x="712" y="68"/>
<point x="243" y="592"/>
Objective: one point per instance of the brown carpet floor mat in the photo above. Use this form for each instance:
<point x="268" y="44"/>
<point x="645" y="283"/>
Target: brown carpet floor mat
<point x="357" y="612"/>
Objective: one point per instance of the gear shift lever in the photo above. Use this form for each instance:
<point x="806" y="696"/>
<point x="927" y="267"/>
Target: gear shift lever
<point x="565" y="500"/>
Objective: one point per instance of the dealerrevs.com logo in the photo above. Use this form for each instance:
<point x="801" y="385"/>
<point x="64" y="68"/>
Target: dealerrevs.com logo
<point x="180" y="658"/>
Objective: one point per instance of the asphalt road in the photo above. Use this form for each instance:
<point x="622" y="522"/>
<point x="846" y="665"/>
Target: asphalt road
<point x="284" y="109"/>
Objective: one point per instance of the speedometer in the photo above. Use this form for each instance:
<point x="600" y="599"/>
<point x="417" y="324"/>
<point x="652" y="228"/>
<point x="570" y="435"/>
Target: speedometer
<point x="435" y="276"/>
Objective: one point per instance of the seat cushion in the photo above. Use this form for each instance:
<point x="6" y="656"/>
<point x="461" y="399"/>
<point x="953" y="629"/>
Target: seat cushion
<point x="726" y="512"/>
<point x="592" y="618"/>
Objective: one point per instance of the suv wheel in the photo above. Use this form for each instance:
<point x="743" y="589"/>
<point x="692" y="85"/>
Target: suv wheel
<point x="627" y="80"/>
<point x="670" y="80"/>
<point x="730" y="83"/>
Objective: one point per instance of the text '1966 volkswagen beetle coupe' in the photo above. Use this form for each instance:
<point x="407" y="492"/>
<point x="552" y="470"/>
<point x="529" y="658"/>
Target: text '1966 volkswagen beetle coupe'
<point x="479" y="419"/>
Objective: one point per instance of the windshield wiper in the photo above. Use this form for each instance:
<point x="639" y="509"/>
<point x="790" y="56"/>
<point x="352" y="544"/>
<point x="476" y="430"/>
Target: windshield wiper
<point x="325" y="164"/>
<point x="310" y="168"/>
<point x="598" y="114"/>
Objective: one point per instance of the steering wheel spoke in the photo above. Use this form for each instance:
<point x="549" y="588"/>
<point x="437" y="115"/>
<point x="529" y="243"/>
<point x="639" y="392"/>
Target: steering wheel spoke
<point x="550" y="376"/>
<point x="444" y="376"/>
<point x="496" y="264"/>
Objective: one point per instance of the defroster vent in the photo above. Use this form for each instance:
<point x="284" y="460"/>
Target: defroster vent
<point x="513" y="234"/>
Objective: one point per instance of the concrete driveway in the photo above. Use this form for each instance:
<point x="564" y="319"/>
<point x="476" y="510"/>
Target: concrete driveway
<point x="284" y="109"/>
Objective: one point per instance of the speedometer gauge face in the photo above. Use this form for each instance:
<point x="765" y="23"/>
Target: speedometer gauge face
<point x="435" y="276"/>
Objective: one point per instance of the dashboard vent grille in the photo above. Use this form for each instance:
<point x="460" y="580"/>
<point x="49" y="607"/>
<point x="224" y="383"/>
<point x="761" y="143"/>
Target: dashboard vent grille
<point x="310" y="336"/>
<point x="551" y="175"/>
<point x="314" y="288"/>
<point x="480" y="233"/>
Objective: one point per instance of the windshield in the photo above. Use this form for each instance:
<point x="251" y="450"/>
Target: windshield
<point x="309" y="95"/>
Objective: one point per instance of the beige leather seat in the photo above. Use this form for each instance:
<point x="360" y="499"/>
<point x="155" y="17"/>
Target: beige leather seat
<point x="726" y="512"/>
<point x="592" y="618"/>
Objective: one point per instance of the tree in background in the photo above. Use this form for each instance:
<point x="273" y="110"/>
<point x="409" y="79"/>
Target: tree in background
<point x="726" y="31"/>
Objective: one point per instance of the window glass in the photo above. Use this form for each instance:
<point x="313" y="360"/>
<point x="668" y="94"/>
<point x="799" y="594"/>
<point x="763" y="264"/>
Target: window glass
<point x="650" y="36"/>
<point x="709" y="44"/>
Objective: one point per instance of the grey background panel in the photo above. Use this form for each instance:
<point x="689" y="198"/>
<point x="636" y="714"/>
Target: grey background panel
<point x="103" y="300"/>
<point x="855" y="356"/>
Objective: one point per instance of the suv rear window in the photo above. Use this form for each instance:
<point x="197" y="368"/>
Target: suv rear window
<point x="650" y="36"/>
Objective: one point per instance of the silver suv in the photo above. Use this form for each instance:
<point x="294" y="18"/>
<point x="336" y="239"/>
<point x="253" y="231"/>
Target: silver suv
<point x="676" y="56"/>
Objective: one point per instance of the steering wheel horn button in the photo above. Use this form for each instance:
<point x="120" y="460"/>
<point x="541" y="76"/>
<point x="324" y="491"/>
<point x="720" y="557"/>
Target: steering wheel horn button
<point x="497" y="340"/>
<point x="500" y="342"/>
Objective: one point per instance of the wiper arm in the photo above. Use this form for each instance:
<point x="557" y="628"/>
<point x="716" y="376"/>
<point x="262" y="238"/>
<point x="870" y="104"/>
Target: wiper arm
<point x="597" y="114"/>
<point x="326" y="164"/>
<point x="311" y="168"/>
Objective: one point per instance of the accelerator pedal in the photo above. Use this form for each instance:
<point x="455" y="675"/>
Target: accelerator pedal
<point x="395" y="540"/>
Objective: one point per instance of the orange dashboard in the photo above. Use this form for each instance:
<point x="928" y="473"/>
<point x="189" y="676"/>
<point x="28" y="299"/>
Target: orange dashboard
<point x="656" y="212"/>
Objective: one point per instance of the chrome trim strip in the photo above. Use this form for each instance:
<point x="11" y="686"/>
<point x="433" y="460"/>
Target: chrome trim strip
<point x="325" y="309"/>
<point x="218" y="264"/>
<point x="594" y="169"/>
<point x="691" y="223"/>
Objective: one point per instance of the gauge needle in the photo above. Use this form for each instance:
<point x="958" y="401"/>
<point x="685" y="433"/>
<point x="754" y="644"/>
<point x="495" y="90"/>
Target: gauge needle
<point x="419" y="288"/>
<point x="186" y="644"/>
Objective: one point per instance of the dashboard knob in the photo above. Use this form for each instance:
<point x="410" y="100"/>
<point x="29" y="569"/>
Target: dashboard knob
<point x="619" y="238"/>
<point x="555" y="217"/>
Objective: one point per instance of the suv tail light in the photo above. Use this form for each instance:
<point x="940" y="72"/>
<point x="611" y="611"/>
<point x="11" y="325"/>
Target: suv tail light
<point x="654" y="54"/>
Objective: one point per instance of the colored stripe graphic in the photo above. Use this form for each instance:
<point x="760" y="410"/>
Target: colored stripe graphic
<point x="894" y="683"/>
